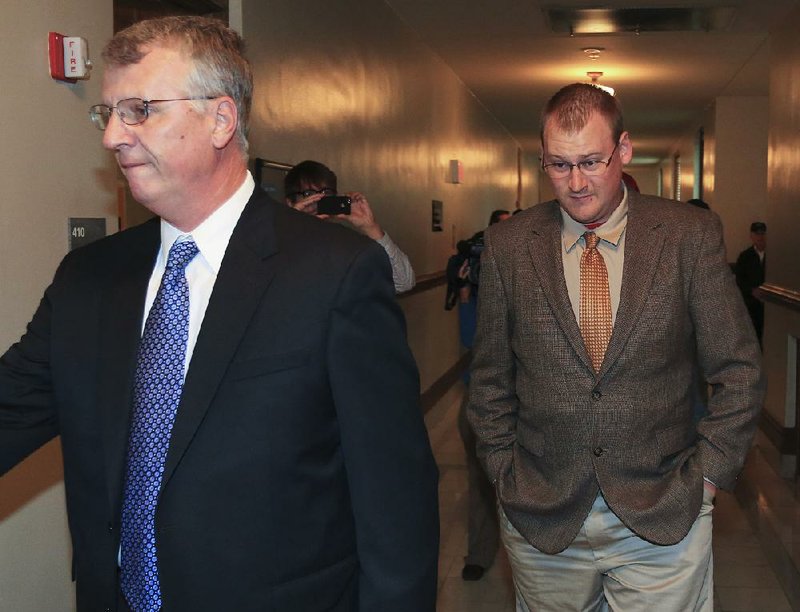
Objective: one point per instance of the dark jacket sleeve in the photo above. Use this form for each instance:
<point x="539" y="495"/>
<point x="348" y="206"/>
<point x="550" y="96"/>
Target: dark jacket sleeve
<point x="388" y="460"/>
<point x="27" y="415"/>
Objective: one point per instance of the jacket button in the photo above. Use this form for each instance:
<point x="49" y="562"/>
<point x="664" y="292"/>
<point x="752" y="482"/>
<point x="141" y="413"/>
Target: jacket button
<point x="110" y="527"/>
<point x="596" y="395"/>
<point x="598" y="451"/>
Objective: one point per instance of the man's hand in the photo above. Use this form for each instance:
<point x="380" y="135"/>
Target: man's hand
<point x="361" y="216"/>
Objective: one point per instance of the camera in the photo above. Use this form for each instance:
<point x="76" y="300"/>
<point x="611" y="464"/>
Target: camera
<point x="333" y="205"/>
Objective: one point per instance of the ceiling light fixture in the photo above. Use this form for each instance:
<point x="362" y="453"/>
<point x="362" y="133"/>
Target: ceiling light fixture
<point x="595" y="76"/>
<point x="593" y="53"/>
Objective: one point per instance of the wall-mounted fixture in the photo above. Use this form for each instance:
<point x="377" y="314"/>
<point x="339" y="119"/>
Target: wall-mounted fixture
<point x="594" y="76"/>
<point x="69" y="57"/>
<point x="456" y="174"/>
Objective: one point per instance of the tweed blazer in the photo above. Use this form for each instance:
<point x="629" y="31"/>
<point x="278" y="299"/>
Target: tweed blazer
<point x="552" y="433"/>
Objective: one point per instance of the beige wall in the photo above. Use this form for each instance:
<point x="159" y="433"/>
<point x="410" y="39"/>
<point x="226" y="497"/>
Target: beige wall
<point x="740" y="183"/>
<point x="52" y="168"/>
<point x="384" y="113"/>
<point x="782" y="325"/>
<point x="709" y="155"/>
<point x="646" y="176"/>
<point x="387" y="116"/>
<point x="734" y="165"/>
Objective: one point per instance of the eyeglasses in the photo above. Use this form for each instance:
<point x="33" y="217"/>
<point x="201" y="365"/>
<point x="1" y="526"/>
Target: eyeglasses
<point x="588" y="167"/>
<point x="307" y="193"/>
<point x="132" y="111"/>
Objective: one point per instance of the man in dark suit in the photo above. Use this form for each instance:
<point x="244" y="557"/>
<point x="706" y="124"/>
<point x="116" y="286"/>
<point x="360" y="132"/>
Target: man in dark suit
<point x="271" y="455"/>
<point x="751" y="267"/>
<point x="594" y="311"/>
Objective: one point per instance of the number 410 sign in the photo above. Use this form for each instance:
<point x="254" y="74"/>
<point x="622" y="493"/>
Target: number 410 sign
<point x="83" y="230"/>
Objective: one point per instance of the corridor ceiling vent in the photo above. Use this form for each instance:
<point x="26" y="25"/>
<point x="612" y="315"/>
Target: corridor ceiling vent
<point x="583" y="21"/>
<point x="174" y="7"/>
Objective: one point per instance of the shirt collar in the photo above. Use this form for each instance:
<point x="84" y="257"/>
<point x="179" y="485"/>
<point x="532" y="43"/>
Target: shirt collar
<point x="213" y="234"/>
<point x="611" y="231"/>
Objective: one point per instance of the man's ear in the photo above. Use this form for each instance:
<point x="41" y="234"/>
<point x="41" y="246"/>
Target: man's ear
<point x="226" y="118"/>
<point x="625" y="148"/>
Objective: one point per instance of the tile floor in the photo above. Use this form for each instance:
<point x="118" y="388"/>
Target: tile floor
<point x="756" y="533"/>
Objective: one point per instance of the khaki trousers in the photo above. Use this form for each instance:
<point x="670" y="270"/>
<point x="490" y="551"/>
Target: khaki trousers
<point x="609" y="568"/>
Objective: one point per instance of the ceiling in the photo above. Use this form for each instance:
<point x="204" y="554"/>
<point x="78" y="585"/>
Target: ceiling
<point x="508" y="55"/>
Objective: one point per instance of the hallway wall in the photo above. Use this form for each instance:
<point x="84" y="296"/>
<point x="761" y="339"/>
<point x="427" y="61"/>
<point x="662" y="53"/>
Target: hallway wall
<point x="734" y="166"/>
<point x="348" y="84"/>
<point x="782" y="312"/>
<point x="740" y="173"/>
<point x="53" y="167"/>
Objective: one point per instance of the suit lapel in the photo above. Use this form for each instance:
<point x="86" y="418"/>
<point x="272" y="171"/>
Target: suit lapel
<point x="643" y="244"/>
<point x="120" y="329"/>
<point x="546" y="251"/>
<point x="246" y="271"/>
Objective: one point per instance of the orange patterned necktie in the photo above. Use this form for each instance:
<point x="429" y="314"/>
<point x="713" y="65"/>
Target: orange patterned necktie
<point x="595" y="301"/>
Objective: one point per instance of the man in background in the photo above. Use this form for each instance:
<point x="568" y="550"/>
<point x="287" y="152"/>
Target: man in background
<point x="310" y="181"/>
<point x="237" y="403"/>
<point x="483" y="535"/>
<point x="751" y="266"/>
<point x="595" y="310"/>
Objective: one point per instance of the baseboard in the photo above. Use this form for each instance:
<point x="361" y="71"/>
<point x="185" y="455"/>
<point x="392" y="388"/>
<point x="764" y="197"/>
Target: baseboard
<point x="783" y="438"/>
<point x="437" y="390"/>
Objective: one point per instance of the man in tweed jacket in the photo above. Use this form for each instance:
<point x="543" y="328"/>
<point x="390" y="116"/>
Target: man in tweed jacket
<point x="605" y="484"/>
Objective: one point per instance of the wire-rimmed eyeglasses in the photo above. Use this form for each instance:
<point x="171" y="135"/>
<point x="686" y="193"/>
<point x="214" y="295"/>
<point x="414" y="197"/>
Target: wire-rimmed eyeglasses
<point x="588" y="167"/>
<point x="131" y="111"/>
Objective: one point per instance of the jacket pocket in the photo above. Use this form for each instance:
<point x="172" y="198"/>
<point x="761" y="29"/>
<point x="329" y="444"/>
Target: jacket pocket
<point x="260" y="366"/>
<point x="673" y="439"/>
<point x="531" y="440"/>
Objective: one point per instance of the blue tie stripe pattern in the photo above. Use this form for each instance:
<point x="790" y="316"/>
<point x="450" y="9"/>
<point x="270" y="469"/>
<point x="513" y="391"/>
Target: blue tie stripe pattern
<point x="157" y="392"/>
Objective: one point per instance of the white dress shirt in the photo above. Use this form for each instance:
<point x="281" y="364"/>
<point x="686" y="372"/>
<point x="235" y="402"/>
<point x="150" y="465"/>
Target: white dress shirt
<point x="211" y="237"/>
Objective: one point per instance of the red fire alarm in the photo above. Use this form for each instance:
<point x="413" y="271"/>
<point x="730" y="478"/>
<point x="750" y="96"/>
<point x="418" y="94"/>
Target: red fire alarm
<point x="56" y="49"/>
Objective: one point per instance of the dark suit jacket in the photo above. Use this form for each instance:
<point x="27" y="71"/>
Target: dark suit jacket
<point x="299" y="475"/>
<point x="552" y="432"/>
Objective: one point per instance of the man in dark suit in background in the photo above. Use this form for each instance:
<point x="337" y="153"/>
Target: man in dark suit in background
<point x="594" y="312"/>
<point x="751" y="266"/>
<point x="257" y="444"/>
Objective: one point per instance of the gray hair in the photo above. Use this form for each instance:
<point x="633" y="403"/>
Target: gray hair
<point x="217" y="53"/>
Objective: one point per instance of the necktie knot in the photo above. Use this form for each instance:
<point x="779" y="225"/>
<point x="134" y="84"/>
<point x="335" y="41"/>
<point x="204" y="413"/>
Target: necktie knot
<point x="591" y="240"/>
<point x="181" y="254"/>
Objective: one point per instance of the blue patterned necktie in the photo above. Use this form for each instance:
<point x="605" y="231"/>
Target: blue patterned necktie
<point x="159" y="382"/>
